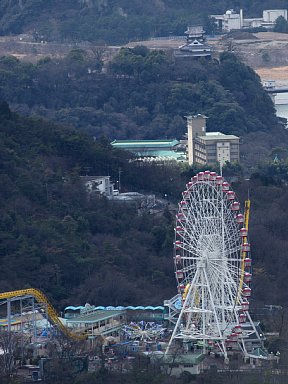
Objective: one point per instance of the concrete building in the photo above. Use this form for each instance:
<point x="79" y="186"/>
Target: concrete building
<point x="268" y="19"/>
<point x="98" y="185"/>
<point x="95" y="323"/>
<point x="229" y="21"/>
<point x="209" y="147"/>
<point x="271" y="15"/>
<point x="232" y="20"/>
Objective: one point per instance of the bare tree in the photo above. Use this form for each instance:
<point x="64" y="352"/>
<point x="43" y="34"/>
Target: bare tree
<point x="9" y="345"/>
<point x="65" y="357"/>
<point x="64" y="347"/>
<point x="99" y="54"/>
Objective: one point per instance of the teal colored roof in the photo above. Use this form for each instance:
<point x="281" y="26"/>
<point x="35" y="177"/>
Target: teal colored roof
<point x="93" y="317"/>
<point x="259" y="352"/>
<point x="72" y="308"/>
<point x="162" y="153"/>
<point x="189" y="358"/>
<point x="144" y="144"/>
<point x="111" y="308"/>
<point x="158" y="149"/>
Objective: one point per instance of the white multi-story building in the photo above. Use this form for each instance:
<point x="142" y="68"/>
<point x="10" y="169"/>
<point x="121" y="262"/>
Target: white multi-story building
<point x="209" y="147"/>
<point x="232" y="20"/>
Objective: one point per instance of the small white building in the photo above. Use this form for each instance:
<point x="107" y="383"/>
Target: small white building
<point x="98" y="185"/>
<point x="229" y="21"/>
<point x="252" y="23"/>
<point x="178" y="363"/>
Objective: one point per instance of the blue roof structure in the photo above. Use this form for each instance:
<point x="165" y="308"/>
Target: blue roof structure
<point x="152" y="149"/>
<point x="111" y="308"/>
<point x="134" y="145"/>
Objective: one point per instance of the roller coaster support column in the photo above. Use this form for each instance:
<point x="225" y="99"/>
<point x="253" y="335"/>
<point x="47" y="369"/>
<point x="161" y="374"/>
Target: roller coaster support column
<point x="22" y="336"/>
<point x="34" y="317"/>
<point x="9" y="315"/>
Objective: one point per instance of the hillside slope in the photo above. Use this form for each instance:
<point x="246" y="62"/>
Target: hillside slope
<point x="80" y="250"/>
<point x="114" y="21"/>
<point x="142" y="94"/>
<point x="73" y="248"/>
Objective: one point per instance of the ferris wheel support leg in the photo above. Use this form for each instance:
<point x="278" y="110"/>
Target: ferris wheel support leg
<point x="181" y="314"/>
<point x="226" y="360"/>
<point x="243" y="347"/>
<point x="254" y="328"/>
<point x="174" y="332"/>
<point x="215" y="315"/>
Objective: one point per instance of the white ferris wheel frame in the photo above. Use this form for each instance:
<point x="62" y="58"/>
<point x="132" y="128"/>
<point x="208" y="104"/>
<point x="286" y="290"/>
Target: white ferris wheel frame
<point x="212" y="266"/>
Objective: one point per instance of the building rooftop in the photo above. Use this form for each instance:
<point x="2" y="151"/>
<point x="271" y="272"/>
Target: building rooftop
<point x="111" y="308"/>
<point x="95" y="316"/>
<point x="217" y="136"/>
<point x="198" y="116"/>
<point x="187" y="358"/>
<point x="145" y="144"/>
<point x="195" y="30"/>
<point x="90" y="178"/>
<point x="259" y="352"/>
<point x="151" y="150"/>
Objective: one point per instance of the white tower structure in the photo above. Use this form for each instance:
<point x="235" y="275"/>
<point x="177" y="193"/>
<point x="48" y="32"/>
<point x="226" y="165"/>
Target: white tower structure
<point x="196" y="126"/>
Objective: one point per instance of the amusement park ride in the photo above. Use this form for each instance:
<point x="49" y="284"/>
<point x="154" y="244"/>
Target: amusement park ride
<point x="213" y="273"/>
<point x="213" y="269"/>
<point x="34" y="301"/>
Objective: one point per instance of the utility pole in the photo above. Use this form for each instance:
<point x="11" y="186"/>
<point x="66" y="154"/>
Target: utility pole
<point x="119" y="178"/>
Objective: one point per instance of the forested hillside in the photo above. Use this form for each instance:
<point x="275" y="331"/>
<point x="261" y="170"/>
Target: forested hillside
<point x="143" y="94"/>
<point x="78" y="249"/>
<point x="114" y="21"/>
<point x="74" y="248"/>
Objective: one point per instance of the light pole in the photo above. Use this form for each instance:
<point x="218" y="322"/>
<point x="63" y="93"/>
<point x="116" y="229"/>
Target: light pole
<point x="119" y="178"/>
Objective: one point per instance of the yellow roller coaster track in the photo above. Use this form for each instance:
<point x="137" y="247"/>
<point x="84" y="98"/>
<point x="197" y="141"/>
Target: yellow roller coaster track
<point x="51" y="312"/>
<point x="246" y="222"/>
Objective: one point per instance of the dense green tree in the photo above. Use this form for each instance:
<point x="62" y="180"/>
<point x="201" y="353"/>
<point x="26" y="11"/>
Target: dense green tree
<point x="140" y="95"/>
<point x="78" y="249"/>
<point x="281" y="25"/>
<point x="54" y="238"/>
<point x="116" y="21"/>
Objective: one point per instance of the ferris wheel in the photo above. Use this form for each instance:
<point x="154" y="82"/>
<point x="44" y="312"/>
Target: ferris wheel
<point x="212" y="267"/>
